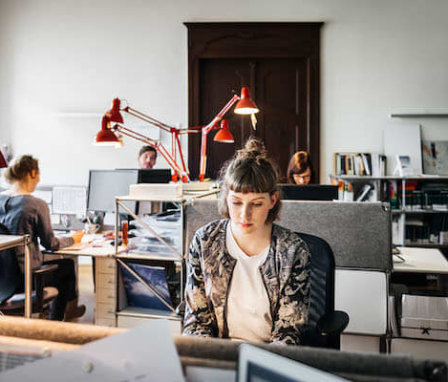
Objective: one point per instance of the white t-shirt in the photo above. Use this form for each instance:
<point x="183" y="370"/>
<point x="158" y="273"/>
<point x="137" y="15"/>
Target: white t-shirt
<point x="248" y="308"/>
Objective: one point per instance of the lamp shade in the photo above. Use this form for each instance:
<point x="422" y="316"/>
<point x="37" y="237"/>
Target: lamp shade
<point x="246" y="105"/>
<point x="114" y="114"/>
<point x="3" y="161"/>
<point x="106" y="137"/>
<point x="224" y="135"/>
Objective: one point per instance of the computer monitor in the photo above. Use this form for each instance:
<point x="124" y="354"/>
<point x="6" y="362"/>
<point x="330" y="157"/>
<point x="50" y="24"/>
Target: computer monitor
<point x="162" y="175"/>
<point x="259" y="365"/>
<point x="309" y="192"/>
<point x="105" y="185"/>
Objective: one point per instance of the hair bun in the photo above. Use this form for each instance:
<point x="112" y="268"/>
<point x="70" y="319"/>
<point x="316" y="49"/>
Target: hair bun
<point x="254" y="148"/>
<point x="301" y="158"/>
<point x="20" y="167"/>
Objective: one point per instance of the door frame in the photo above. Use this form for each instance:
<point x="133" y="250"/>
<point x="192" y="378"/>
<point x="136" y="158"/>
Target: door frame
<point x="255" y="40"/>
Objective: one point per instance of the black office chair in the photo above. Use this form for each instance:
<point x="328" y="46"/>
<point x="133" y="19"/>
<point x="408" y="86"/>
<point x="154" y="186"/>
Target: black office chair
<point x="325" y="325"/>
<point x="12" y="302"/>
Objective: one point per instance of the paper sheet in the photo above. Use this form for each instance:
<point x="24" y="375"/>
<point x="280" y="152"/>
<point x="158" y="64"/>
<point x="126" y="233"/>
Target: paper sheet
<point x="146" y="353"/>
<point x="69" y="200"/>
<point x="44" y="195"/>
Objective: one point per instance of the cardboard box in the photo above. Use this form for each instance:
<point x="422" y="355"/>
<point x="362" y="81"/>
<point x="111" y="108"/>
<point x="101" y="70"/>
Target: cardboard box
<point x="424" y="317"/>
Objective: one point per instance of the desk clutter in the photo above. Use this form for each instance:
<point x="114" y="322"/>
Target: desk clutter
<point x="166" y="225"/>
<point x="100" y="354"/>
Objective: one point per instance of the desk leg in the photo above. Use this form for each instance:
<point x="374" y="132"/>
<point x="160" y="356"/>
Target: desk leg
<point x="28" y="277"/>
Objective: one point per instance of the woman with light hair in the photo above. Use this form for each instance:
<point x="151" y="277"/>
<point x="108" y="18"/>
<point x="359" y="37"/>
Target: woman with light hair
<point x="21" y="213"/>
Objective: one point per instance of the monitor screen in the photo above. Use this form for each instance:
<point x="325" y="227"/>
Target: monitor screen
<point x="309" y="192"/>
<point x="105" y="185"/>
<point x="259" y="365"/>
<point x="162" y="175"/>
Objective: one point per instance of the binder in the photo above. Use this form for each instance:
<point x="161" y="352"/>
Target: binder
<point x="140" y="296"/>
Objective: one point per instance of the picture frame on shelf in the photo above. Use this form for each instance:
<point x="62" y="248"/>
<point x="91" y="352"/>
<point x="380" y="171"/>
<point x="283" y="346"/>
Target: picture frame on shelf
<point x="403" y="166"/>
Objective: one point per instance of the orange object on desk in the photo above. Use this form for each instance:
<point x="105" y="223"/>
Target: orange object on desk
<point x="124" y="232"/>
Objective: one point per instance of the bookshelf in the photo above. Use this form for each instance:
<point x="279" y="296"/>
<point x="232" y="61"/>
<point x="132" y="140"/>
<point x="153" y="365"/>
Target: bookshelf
<point x="419" y="206"/>
<point x="419" y="115"/>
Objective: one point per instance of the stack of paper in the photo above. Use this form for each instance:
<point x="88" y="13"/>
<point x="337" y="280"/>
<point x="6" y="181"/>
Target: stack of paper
<point x="156" y="190"/>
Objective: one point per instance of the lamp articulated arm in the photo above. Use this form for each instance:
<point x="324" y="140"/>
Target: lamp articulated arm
<point x="179" y="171"/>
<point x="213" y="125"/>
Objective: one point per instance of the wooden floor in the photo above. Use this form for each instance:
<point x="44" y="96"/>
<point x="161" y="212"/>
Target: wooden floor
<point x="86" y="293"/>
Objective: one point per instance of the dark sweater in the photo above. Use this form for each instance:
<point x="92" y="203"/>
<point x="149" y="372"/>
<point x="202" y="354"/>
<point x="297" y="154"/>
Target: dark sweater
<point x="26" y="214"/>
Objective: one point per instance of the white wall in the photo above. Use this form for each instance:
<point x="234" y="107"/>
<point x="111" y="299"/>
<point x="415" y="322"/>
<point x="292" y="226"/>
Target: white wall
<point x="62" y="62"/>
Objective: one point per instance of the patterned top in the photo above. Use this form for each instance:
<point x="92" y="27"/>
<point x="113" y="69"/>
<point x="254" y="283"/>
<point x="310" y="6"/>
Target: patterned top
<point x="285" y="274"/>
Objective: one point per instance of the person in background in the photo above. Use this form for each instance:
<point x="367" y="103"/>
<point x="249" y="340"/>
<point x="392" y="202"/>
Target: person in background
<point x="23" y="213"/>
<point x="248" y="278"/>
<point x="147" y="157"/>
<point x="300" y="169"/>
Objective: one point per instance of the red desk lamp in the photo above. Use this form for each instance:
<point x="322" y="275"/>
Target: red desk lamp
<point x="3" y="161"/>
<point x="111" y="135"/>
<point x="245" y="106"/>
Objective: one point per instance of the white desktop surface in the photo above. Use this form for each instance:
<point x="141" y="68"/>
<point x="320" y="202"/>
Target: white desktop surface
<point x="421" y="260"/>
<point x="91" y="245"/>
<point x="7" y="241"/>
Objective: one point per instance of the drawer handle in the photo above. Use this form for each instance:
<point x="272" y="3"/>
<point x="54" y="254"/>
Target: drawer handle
<point x="110" y="311"/>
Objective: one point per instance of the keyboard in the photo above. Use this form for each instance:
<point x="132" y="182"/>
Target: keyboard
<point x="9" y="360"/>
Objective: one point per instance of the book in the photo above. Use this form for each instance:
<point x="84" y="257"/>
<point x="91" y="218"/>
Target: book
<point x="363" y="193"/>
<point x="359" y="164"/>
<point x="138" y="294"/>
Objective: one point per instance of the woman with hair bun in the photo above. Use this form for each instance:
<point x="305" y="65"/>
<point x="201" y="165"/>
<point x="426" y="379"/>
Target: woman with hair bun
<point x="300" y="169"/>
<point x="247" y="277"/>
<point x="22" y="214"/>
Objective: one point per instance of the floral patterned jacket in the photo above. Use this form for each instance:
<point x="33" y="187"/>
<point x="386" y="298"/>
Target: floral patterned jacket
<point x="285" y="274"/>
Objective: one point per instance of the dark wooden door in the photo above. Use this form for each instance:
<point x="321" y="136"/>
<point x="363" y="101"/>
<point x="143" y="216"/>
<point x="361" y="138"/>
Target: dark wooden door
<point x="283" y="82"/>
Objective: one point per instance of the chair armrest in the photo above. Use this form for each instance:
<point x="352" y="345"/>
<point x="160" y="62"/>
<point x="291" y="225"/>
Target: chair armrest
<point x="333" y="323"/>
<point x="45" y="269"/>
<point x="39" y="277"/>
<point x="180" y="310"/>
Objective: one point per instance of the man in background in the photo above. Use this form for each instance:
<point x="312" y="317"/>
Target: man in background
<point x="147" y="157"/>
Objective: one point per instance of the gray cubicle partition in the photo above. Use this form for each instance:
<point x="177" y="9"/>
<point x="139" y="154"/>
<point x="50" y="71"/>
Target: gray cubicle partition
<point x="359" y="233"/>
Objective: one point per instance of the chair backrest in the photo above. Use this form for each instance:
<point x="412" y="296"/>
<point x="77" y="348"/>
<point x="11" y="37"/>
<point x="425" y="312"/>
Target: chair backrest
<point x="10" y="275"/>
<point x="321" y="288"/>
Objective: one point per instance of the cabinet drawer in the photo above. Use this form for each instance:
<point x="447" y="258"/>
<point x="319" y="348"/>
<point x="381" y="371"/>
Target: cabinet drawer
<point x="105" y="281"/>
<point x="106" y="295"/>
<point x="108" y="266"/>
<point x="105" y="310"/>
<point x="105" y="322"/>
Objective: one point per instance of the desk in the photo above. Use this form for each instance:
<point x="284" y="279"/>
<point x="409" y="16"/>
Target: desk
<point x="421" y="260"/>
<point x="223" y="353"/>
<point x="105" y="276"/>
<point x="110" y="307"/>
<point x="11" y="241"/>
